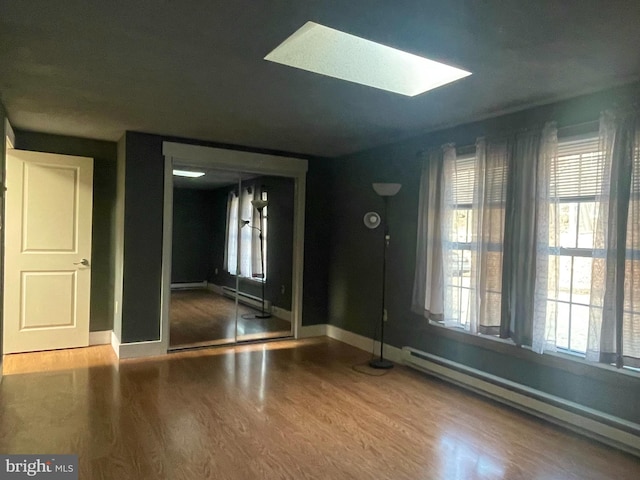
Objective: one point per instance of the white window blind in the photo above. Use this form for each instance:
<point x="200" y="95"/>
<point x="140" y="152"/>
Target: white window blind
<point x="463" y="184"/>
<point x="578" y="168"/>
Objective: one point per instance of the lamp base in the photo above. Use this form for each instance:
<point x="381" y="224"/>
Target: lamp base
<point x="381" y="363"/>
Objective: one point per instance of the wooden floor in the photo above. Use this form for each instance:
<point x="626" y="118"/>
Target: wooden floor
<point x="202" y="317"/>
<point x="283" y="410"/>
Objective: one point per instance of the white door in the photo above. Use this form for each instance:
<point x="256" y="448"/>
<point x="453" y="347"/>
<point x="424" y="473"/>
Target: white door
<point x="47" y="251"/>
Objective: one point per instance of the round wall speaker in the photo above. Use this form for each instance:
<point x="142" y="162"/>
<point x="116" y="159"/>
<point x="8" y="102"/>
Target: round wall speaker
<point x="371" y="219"/>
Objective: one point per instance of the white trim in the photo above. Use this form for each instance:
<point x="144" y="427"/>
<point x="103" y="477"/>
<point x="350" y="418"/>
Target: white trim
<point x="212" y="287"/>
<point x="576" y="417"/>
<point x="234" y="160"/>
<point x="355" y="340"/>
<point x="308" y="331"/>
<point x="299" y="194"/>
<point x="102" y="337"/>
<point x="141" y="349"/>
<point x="281" y="313"/>
<point x="364" y="343"/>
<point x="189" y="285"/>
<point x="136" y="349"/>
<point x="115" y="344"/>
<point x="167" y="239"/>
<point x="9" y="134"/>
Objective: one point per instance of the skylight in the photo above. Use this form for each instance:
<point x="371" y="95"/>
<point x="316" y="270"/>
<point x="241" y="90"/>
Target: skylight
<point x="187" y="173"/>
<point x="319" y="49"/>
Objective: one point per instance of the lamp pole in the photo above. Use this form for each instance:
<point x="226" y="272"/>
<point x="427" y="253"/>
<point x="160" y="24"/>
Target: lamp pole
<point x="381" y="362"/>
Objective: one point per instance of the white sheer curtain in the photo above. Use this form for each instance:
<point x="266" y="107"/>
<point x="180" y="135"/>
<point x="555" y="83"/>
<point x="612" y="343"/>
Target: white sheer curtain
<point x="614" y="316"/>
<point x="489" y="196"/>
<point x="631" y="315"/>
<point x="528" y="153"/>
<point x="231" y="247"/>
<point x="545" y="312"/>
<point x="428" y="296"/>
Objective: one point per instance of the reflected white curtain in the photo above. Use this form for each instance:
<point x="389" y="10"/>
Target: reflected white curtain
<point x="231" y="246"/>
<point x="614" y="315"/>
<point x="428" y="294"/>
<point x="246" y="233"/>
<point x="489" y="196"/>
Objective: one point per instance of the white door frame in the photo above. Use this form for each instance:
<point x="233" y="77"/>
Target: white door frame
<point x="233" y="160"/>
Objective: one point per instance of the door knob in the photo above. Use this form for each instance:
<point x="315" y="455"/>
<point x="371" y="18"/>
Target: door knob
<point x="84" y="262"/>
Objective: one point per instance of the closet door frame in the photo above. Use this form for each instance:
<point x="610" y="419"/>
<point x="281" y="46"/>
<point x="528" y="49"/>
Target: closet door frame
<point x="236" y="161"/>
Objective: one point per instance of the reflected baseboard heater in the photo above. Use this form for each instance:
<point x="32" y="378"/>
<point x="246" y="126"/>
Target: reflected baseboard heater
<point x="246" y="299"/>
<point x="606" y="428"/>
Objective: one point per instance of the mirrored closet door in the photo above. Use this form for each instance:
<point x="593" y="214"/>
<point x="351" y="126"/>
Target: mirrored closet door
<point x="231" y="268"/>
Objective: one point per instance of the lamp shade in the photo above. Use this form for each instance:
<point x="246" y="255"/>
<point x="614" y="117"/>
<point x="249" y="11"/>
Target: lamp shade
<point x="259" y="204"/>
<point x="386" y="189"/>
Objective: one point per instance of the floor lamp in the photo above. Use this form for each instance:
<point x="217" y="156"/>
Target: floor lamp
<point x="385" y="190"/>
<point x="259" y="205"/>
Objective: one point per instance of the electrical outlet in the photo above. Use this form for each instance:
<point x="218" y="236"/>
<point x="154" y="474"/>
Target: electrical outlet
<point x="385" y="316"/>
<point x="216" y="271"/>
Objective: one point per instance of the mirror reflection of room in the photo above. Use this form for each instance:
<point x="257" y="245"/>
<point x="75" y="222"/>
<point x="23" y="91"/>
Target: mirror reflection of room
<point x="231" y="258"/>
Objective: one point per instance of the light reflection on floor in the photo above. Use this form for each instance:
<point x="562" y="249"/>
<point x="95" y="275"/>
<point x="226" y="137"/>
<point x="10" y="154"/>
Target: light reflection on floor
<point x="461" y="460"/>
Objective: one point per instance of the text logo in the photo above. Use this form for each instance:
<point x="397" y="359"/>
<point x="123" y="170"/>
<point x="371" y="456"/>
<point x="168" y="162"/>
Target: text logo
<point x="50" y="467"/>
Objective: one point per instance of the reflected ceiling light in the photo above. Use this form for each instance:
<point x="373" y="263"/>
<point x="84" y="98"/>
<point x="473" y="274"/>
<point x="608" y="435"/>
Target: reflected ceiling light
<point x="330" y="52"/>
<point x="187" y="173"/>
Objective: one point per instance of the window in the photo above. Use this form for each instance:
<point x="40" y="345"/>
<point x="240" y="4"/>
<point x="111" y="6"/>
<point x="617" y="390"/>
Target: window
<point x="554" y="262"/>
<point x="243" y="232"/>
<point x="231" y="248"/>
<point x="457" y="268"/>
<point x="575" y="186"/>
<point x="474" y="219"/>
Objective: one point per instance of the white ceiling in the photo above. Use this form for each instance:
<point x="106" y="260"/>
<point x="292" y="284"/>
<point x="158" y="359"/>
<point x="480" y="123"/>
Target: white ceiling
<point x="196" y="69"/>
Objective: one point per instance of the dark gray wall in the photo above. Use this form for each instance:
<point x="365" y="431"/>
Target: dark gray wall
<point x="192" y="235"/>
<point x="279" y="244"/>
<point x="104" y="198"/>
<point x="143" y="236"/>
<point x="355" y="271"/>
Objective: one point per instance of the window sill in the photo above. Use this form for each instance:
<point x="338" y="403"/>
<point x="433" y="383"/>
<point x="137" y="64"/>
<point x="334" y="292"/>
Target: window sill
<point x="493" y="338"/>
<point x="560" y="360"/>
<point x="258" y="281"/>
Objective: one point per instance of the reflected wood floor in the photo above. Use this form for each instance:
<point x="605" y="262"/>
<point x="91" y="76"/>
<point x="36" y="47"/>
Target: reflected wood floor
<point x="200" y="317"/>
<point x="283" y="410"/>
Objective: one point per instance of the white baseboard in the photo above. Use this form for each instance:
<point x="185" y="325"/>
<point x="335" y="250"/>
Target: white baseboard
<point x="345" y="336"/>
<point x="281" y="313"/>
<point x="115" y="344"/>
<point x="102" y="337"/>
<point x="188" y="285"/>
<point x="137" y="349"/>
<point x="214" y="288"/>
<point x="364" y="343"/>
<point x="307" y="331"/>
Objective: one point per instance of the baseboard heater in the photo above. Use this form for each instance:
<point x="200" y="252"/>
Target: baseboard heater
<point x="606" y="428"/>
<point x="188" y="285"/>
<point x="246" y="299"/>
